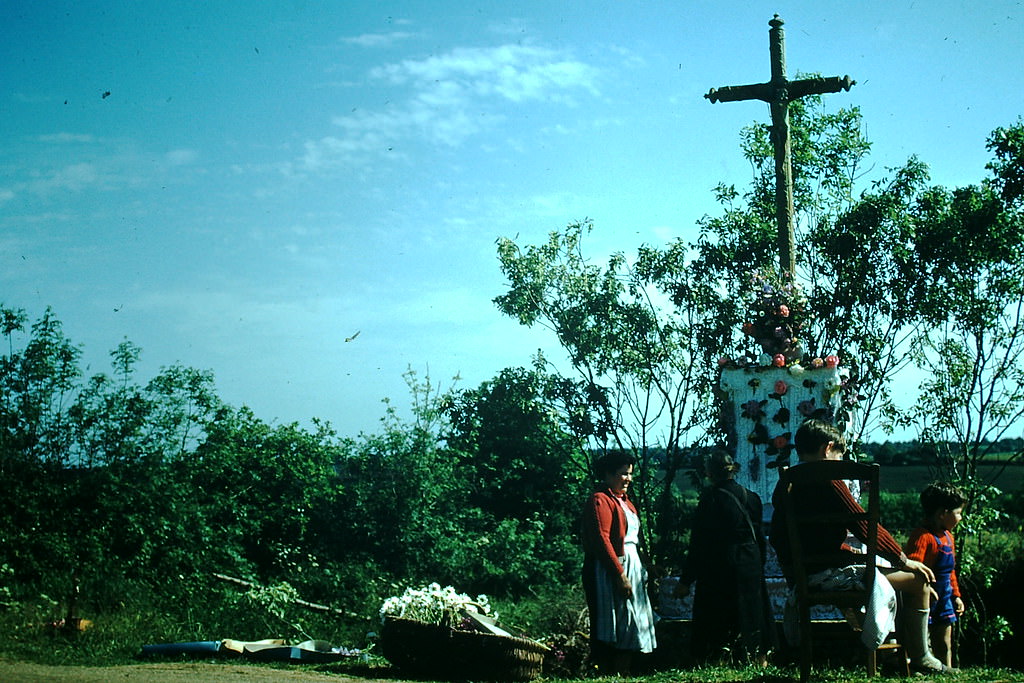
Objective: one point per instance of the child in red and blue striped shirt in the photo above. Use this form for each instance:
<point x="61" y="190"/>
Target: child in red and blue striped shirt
<point x="932" y="543"/>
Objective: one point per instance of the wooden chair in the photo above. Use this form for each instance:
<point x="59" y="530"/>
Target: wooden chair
<point x="849" y="601"/>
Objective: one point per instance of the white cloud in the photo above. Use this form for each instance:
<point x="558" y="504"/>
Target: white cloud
<point x="107" y="174"/>
<point x="70" y="162"/>
<point x="452" y="97"/>
<point x="515" y="72"/>
<point x="182" y="157"/>
<point x="62" y="138"/>
<point x="74" y="177"/>
<point x="378" y="39"/>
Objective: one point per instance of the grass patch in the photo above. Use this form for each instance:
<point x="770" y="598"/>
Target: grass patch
<point x="554" y="615"/>
<point x="788" y="674"/>
<point x="116" y="634"/>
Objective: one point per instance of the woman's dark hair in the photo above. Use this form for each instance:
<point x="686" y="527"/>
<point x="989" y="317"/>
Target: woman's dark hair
<point x="941" y="496"/>
<point x="612" y="462"/>
<point x="720" y="465"/>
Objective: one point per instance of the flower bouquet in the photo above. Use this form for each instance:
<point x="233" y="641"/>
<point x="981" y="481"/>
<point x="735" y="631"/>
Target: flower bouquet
<point x="441" y="633"/>
<point x="776" y="314"/>
<point x="433" y="604"/>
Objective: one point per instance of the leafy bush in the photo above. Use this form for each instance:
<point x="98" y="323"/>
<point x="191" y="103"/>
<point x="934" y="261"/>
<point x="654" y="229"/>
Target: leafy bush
<point x="556" y="616"/>
<point x="123" y="501"/>
<point x="1003" y="623"/>
<point x="900" y="512"/>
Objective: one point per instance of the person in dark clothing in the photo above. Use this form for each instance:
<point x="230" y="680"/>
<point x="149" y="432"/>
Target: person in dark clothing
<point x="816" y="441"/>
<point x="731" y="612"/>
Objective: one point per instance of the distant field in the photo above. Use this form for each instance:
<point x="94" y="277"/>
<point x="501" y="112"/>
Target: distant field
<point x="904" y="478"/>
<point x="907" y="478"/>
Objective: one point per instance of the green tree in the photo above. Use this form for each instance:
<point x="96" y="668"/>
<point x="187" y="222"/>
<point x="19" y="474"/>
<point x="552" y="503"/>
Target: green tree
<point x="522" y="463"/>
<point x="87" y="465"/>
<point x="128" y="505"/>
<point x="38" y="383"/>
<point x="262" y="488"/>
<point x="647" y="333"/>
<point x="972" y="396"/>
<point x="403" y="497"/>
<point x="855" y="249"/>
<point x="640" y="337"/>
<point x="522" y="468"/>
<point x="1007" y="146"/>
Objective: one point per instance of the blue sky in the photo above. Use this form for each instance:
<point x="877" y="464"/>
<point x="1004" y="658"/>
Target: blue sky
<point x="241" y="186"/>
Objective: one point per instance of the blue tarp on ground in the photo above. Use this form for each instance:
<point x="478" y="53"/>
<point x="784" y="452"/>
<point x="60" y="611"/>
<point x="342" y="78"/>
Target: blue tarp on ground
<point x="310" y="651"/>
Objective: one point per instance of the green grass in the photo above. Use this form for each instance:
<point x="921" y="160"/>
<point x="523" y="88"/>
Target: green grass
<point x="378" y="669"/>
<point x="119" y="631"/>
<point x="769" y="674"/>
<point x="780" y="675"/>
<point x="99" y="648"/>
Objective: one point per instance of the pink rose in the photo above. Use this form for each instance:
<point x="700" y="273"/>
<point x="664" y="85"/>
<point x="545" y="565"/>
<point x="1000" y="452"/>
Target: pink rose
<point x="817" y="363"/>
<point x="784" y="310"/>
<point x="780" y="442"/>
<point x="723" y="361"/>
<point x="832" y="361"/>
<point x="779" y="361"/>
<point x="748" y="328"/>
<point x="781" y="387"/>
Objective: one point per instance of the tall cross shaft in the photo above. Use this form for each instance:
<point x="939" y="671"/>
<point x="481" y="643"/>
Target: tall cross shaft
<point x="778" y="93"/>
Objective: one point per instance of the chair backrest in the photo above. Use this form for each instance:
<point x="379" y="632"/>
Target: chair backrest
<point x="800" y="526"/>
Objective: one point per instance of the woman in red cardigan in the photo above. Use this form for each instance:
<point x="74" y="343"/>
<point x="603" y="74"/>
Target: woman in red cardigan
<point x="614" y="577"/>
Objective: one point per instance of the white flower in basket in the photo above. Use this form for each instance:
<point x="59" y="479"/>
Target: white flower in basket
<point x="446" y="635"/>
<point x="435" y="605"/>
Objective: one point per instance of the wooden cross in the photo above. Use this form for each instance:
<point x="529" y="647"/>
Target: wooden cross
<point x="778" y="93"/>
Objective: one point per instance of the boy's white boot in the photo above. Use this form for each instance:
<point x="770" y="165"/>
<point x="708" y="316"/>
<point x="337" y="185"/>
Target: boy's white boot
<point x="915" y="632"/>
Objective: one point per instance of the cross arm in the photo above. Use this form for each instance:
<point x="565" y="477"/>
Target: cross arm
<point x="817" y="86"/>
<point x="770" y="92"/>
<point x="735" y="93"/>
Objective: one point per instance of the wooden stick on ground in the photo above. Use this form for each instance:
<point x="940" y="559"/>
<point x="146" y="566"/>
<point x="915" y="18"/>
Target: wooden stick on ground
<point x="296" y="601"/>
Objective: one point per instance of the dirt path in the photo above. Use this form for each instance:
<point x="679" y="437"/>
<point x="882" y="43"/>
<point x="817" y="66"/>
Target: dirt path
<point x="192" y="672"/>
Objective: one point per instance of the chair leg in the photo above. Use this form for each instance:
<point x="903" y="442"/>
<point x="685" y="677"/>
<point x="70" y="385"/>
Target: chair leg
<point x="806" y="645"/>
<point x="899" y="651"/>
<point x="872" y="663"/>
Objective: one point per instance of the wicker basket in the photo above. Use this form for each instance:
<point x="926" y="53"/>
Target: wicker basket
<point x="433" y="651"/>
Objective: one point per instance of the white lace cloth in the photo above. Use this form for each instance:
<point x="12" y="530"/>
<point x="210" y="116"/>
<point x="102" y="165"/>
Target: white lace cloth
<point x="880" y="614"/>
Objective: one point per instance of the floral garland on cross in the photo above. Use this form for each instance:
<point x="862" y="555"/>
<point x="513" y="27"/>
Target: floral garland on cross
<point x="776" y="313"/>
